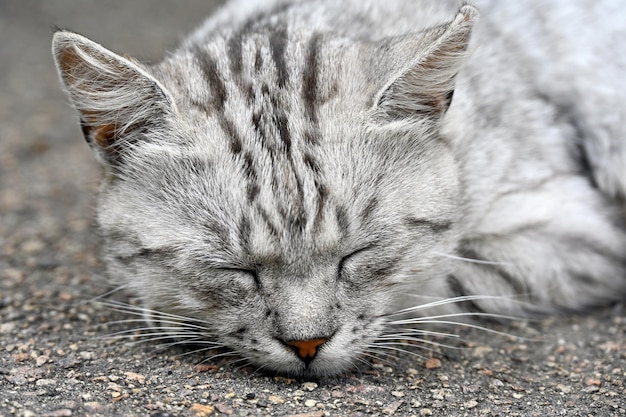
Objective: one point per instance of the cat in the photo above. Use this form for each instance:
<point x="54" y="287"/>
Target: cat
<point x="301" y="181"/>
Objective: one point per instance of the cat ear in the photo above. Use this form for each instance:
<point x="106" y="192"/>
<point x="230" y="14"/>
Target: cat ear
<point x="116" y="98"/>
<point x="423" y="68"/>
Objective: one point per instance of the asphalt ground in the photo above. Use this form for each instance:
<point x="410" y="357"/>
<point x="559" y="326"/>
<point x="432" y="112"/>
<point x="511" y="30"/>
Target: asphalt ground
<point x="56" y="356"/>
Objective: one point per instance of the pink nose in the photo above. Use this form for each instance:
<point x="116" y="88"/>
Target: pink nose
<point x="306" y="349"/>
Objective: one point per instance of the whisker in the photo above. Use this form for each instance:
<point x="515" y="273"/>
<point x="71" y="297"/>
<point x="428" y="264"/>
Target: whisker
<point x="163" y="329"/>
<point x="176" y="324"/>
<point x="246" y="363"/>
<point x="396" y="349"/>
<point x="426" y="345"/>
<point x="428" y="319"/>
<point x="206" y="349"/>
<point x="191" y="342"/>
<point x="104" y="295"/>
<point x="166" y="345"/>
<point x="427" y="332"/>
<point x="373" y="356"/>
<point x="474" y="326"/>
<point x="452" y="300"/>
<point x="131" y="334"/>
<point x="471" y="260"/>
<point x="131" y="309"/>
<point x="397" y="360"/>
<point x="180" y="338"/>
<point x="420" y="340"/>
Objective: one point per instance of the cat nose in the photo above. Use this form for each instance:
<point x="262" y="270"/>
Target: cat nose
<point x="306" y="349"/>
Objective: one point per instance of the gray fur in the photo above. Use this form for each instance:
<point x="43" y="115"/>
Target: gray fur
<point x="295" y="171"/>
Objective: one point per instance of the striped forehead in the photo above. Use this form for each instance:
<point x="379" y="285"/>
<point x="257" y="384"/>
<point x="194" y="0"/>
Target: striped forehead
<point x="264" y="94"/>
<point x="271" y="62"/>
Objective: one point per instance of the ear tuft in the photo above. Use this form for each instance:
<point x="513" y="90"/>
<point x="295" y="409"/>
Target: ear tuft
<point x="424" y="67"/>
<point x="117" y="99"/>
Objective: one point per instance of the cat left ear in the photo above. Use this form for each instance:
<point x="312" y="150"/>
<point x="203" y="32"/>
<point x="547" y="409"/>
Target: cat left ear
<point x="423" y="69"/>
<point x="116" y="97"/>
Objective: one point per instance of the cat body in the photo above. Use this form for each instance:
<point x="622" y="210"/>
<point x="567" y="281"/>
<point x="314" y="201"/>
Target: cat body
<point x="298" y="173"/>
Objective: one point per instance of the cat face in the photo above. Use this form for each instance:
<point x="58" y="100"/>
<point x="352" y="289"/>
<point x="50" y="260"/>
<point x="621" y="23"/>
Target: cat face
<point x="266" y="192"/>
<point x="326" y="261"/>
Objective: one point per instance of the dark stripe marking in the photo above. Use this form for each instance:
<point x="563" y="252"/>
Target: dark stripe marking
<point x="384" y="267"/>
<point x="312" y="138"/>
<point x="433" y="226"/>
<point x="310" y="161"/>
<point x="235" y="140"/>
<point x="343" y="221"/>
<point x="309" y="79"/>
<point x="220" y="231"/>
<point x="369" y="209"/>
<point x="248" y="92"/>
<point x="458" y="290"/>
<point x="566" y="113"/>
<point x="248" y="166"/>
<point x="258" y="60"/>
<point x="282" y="124"/>
<point x="268" y="222"/>
<point x="234" y="52"/>
<point x="244" y="233"/>
<point x="321" y="202"/>
<point x="301" y="216"/>
<point x="256" y="122"/>
<point x="278" y="43"/>
<point x="209" y="69"/>
<point x="252" y="189"/>
<point x="153" y="255"/>
<point x="466" y="252"/>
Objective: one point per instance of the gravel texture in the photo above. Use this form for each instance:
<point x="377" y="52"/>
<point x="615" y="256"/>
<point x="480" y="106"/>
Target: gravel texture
<point x="56" y="358"/>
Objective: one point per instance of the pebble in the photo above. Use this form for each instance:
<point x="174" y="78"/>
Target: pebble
<point x="276" y="399"/>
<point x="132" y="376"/>
<point x="392" y="408"/>
<point x="224" y="409"/>
<point x="309" y="386"/>
<point x="41" y="360"/>
<point x="496" y="382"/>
<point x="433" y="363"/>
<point x="566" y="389"/>
<point x="202" y="410"/>
<point x="6" y="328"/>
<point x="470" y="404"/>
<point x="45" y="382"/>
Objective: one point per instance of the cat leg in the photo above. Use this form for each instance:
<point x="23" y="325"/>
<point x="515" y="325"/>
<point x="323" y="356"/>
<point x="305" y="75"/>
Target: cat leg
<point x="557" y="247"/>
<point x="601" y="117"/>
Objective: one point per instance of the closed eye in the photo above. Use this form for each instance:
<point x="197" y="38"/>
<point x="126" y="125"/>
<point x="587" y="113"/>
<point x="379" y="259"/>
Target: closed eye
<point x="252" y="273"/>
<point x="342" y="262"/>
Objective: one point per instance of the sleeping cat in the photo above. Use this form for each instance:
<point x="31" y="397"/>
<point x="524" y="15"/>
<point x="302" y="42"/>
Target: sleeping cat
<point x="302" y="180"/>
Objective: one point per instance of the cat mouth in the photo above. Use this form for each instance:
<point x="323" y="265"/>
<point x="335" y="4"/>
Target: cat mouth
<point x="315" y="357"/>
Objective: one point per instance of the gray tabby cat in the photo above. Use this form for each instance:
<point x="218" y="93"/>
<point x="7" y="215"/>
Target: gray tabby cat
<point x="298" y="177"/>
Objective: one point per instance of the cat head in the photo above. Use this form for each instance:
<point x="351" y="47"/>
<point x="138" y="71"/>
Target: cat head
<point x="275" y="190"/>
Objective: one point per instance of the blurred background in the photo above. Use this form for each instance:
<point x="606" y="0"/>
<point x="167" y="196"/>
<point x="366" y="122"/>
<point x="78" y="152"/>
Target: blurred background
<point x="47" y="173"/>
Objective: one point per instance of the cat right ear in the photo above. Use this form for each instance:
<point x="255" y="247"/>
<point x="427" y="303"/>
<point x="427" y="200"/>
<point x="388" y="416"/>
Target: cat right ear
<point x="118" y="101"/>
<point x="421" y="69"/>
